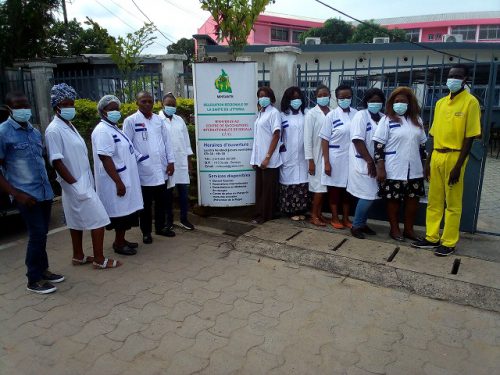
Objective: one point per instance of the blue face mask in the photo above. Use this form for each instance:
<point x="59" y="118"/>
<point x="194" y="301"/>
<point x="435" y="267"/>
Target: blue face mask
<point x="295" y="103"/>
<point x="454" y="84"/>
<point x="264" y="101"/>
<point x="374" y="107"/>
<point x="68" y="113"/>
<point x="344" y="103"/>
<point x="400" y="108"/>
<point x="21" y="115"/>
<point x="169" y="111"/>
<point x="323" y="101"/>
<point x="114" y="116"/>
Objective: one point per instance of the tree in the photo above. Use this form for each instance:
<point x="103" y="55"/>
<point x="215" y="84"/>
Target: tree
<point x="234" y="19"/>
<point x="365" y="32"/>
<point x="183" y="46"/>
<point x="333" y="31"/>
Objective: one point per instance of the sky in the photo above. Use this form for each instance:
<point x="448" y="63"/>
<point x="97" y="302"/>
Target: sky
<point x="181" y="18"/>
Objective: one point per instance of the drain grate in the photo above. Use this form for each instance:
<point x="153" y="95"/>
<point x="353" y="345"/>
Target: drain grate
<point x="456" y="266"/>
<point x="393" y="255"/>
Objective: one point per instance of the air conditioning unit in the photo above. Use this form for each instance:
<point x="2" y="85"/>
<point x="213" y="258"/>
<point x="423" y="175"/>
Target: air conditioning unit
<point x="312" y="41"/>
<point x="382" y="39"/>
<point x="453" y="38"/>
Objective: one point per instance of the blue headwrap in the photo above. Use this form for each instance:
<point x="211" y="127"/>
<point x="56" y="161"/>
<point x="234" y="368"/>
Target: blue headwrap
<point x="60" y="92"/>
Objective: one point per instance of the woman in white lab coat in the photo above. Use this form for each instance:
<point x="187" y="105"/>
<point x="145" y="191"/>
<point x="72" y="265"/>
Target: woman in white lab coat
<point x="336" y="141"/>
<point x="293" y="171"/>
<point x="116" y="174"/>
<point x="68" y="154"/>
<point x="399" y="155"/>
<point x="265" y="159"/>
<point x="314" y="120"/>
<point x="361" y="182"/>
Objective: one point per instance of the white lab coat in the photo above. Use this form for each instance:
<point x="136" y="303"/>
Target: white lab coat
<point x="179" y="139"/>
<point x="336" y="130"/>
<point x="266" y="124"/>
<point x="82" y="208"/>
<point x="314" y="120"/>
<point x="108" y="140"/>
<point x="294" y="169"/>
<point x="359" y="183"/>
<point x="402" y="142"/>
<point x="150" y="137"/>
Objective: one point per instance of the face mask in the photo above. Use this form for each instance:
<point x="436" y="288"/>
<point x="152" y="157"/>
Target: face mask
<point x="169" y="110"/>
<point x="323" y="101"/>
<point x="400" y="108"/>
<point x="68" y="113"/>
<point x="114" y="116"/>
<point x="344" y="103"/>
<point x="374" y="107"/>
<point x="454" y="84"/>
<point x="264" y="101"/>
<point x="21" y="115"/>
<point x="295" y="103"/>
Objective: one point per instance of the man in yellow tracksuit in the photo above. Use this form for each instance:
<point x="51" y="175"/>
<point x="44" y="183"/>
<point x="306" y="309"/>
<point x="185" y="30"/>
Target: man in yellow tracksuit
<point x="456" y="124"/>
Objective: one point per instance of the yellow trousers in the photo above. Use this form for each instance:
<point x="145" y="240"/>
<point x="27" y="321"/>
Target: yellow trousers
<point x="444" y="198"/>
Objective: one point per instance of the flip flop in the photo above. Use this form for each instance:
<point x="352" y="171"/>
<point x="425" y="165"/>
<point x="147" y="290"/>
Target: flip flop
<point x="81" y="262"/>
<point x="337" y="225"/>
<point x="295" y="218"/>
<point x="317" y="221"/>
<point x="397" y="238"/>
<point x="106" y="264"/>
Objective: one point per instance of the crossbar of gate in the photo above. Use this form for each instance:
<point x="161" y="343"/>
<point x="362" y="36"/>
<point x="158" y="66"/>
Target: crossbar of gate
<point x="19" y="79"/>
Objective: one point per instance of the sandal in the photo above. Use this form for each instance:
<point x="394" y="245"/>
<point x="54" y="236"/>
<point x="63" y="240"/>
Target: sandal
<point x="106" y="264"/>
<point x="81" y="262"/>
<point x="412" y="237"/>
<point x="302" y="217"/>
<point x="347" y="224"/>
<point x="337" y="225"/>
<point x="295" y="218"/>
<point x="398" y="238"/>
<point x="317" y="221"/>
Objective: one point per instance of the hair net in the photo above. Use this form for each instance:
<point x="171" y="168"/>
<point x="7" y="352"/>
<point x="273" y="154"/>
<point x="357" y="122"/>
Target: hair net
<point x="60" y="92"/>
<point x="107" y="99"/>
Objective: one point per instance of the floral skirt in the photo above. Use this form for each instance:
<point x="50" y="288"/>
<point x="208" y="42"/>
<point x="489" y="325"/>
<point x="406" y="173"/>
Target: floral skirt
<point x="294" y="199"/>
<point x="397" y="189"/>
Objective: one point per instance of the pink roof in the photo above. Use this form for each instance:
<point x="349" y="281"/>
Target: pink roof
<point x="418" y="25"/>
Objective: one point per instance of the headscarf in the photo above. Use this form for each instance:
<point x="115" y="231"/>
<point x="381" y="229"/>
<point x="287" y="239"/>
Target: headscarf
<point x="60" y="92"/>
<point x="106" y="100"/>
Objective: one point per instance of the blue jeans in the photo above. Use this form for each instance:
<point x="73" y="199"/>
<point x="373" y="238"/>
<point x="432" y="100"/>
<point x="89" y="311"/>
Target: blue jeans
<point x="182" y="191"/>
<point x="361" y="213"/>
<point x="37" y="222"/>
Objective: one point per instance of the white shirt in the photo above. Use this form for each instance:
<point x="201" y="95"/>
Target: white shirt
<point x="108" y="140"/>
<point x="179" y="139"/>
<point x="266" y="124"/>
<point x="402" y="142"/>
<point x="314" y="120"/>
<point x="150" y="137"/>
<point x="82" y="207"/>
<point x="336" y="130"/>
<point x="294" y="169"/>
<point x="359" y="183"/>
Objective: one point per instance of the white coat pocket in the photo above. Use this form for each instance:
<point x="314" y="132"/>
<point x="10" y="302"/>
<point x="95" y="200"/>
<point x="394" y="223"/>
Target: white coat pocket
<point x="81" y="189"/>
<point x="360" y="165"/>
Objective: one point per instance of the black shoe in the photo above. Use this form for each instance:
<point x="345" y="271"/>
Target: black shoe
<point x="166" y="232"/>
<point x="444" y="251"/>
<point x="186" y="225"/>
<point x="169" y="226"/>
<point x="358" y="233"/>
<point x="125" y="250"/>
<point x="369" y="231"/>
<point x="41" y="287"/>
<point x="52" y="277"/>
<point x="147" y="239"/>
<point x="424" y="244"/>
<point x="132" y="245"/>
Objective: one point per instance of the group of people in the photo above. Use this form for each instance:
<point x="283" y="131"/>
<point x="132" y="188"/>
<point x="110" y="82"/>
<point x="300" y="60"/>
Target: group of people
<point x="376" y="152"/>
<point x="133" y="167"/>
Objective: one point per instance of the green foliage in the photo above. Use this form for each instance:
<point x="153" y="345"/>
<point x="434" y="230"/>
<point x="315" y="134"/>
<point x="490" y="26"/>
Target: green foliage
<point x="364" y="33"/>
<point x="334" y="31"/>
<point x="183" y="46"/>
<point x="234" y="19"/>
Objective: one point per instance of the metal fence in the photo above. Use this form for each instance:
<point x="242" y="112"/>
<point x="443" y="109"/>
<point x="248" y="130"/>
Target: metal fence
<point x="19" y="79"/>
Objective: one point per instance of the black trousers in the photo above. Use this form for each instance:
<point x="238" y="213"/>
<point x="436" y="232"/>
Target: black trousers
<point x="150" y="194"/>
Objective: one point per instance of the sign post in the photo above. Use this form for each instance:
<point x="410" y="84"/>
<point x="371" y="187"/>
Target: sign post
<point x="225" y="110"/>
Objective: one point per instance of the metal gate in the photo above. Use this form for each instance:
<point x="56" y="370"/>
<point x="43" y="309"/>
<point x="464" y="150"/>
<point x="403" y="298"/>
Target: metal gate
<point x="19" y="79"/>
<point x="428" y="82"/>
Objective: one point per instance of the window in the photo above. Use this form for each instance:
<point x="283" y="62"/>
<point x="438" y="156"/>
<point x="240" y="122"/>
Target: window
<point x="412" y="35"/>
<point x="279" y="34"/>
<point x="468" y="32"/>
<point x="430" y="37"/>
<point x="439" y="36"/>
<point x="489" y="32"/>
<point x="296" y="36"/>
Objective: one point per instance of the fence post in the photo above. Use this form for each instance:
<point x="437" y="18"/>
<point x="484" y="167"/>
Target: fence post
<point x="172" y="69"/>
<point x="42" y="74"/>
<point x="283" y="68"/>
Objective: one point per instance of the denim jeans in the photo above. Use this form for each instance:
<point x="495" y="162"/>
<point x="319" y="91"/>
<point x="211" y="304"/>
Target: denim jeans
<point x="182" y="191"/>
<point x="37" y="222"/>
<point x="361" y="213"/>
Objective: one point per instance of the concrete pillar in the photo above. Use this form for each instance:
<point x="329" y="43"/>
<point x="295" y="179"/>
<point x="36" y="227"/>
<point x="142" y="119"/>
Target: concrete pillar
<point x="42" y="74"/>
<point x="172" y="68"/>
<point x="283" y="68"/>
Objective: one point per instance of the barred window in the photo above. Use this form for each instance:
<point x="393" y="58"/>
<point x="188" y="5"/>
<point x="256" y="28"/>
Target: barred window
<point x="468" y="32"/>
<point x="489" y="32"/>
<point x="280" y="34"/>
<point x="412" y="34"/>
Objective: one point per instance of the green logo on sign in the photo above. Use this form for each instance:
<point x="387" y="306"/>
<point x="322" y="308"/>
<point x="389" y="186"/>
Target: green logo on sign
<point x="222" y="83"/>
